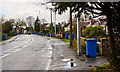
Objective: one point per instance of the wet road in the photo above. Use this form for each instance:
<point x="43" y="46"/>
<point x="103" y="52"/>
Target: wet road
<point x="27" y="52"/>
<point x="35" y="52"/>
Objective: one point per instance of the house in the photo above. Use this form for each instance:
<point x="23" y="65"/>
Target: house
<point x="45" y="25"/>
<point x="74" y="23"/>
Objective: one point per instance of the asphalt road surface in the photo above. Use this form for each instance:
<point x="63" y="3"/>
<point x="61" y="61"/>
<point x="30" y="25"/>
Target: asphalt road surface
<point x="35" y="52"/>
<point x="27" y="52"/>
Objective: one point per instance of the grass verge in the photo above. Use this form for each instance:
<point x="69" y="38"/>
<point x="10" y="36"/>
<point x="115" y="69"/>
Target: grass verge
<point x="8" y="37"/>
<point x="65" y="40"/>
<point x="103" y="68"/>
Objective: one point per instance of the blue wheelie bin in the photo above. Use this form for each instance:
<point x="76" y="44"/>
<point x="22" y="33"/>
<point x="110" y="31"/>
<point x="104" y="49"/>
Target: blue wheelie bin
<point x="38" y="33"/>
<point x="32" y="32"/>
<point x="91" y="47"/>
<point x="4" y="37"/>
<point x="72" y="36"/>
<point x="54" y="35"/>
<point x="35" y="32"/>
<point x="48" y="34"/>
<point x="16" y="33"/>
<point x="66" y="35"/>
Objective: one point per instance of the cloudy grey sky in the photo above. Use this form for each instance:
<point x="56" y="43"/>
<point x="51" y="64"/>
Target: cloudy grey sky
<point x="25" y="8"/>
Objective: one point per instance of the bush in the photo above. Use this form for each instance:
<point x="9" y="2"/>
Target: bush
<point x="11" y="33"/>
<point x="103" y="68"/>
<point x="83" y="46"/>
<point x="3" y="34"/>
<point x="46" y="31"/>
<point x="93" y="31"/>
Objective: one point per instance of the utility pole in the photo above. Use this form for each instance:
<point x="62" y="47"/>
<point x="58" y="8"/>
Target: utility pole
<point x="55" y="23"/>
<point x="51" y="14"/>
<point x="70" y="26"/>
<point x="78" y="37"/>
<point x="51" y="20"/>
<point x="51" y="9"/>
<point x="39" y="20"/>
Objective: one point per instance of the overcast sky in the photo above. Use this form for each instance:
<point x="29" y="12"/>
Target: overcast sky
<point x="25" y="8"/>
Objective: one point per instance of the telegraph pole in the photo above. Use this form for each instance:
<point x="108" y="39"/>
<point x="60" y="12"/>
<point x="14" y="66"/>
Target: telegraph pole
<point x="78" y="37"/>
<point x="51" y="20"/>
<point x="39" y="20"/>
<point x="55" y="23"/>
<point x="51" y="14"/>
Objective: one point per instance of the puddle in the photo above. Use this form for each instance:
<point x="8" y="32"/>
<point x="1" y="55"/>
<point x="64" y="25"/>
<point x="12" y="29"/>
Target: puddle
<point x="89" y="65"/>
<point x="70" y="65"/>
<point x="65" y="59"/>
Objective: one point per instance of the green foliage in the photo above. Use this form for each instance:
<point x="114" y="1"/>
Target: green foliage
<point x="8" y="37"/>
<point x="42" y="28"/>
<point x="63" y="6"/>
<point x="41" y="33"/>
<point x="102" y="68"/>
<point x="11" y="33"/>
<point x="51" y="28"/>
<point x="37" y="25"/>
<point x="62" y="29"/>
<point x="7" y="27"/>
<point x="46" y="31"/>
<point x="83" y="46"/>
<point x="57" y="29"/>
<point x="65" y="40"/>
<point x="93" y="31"/>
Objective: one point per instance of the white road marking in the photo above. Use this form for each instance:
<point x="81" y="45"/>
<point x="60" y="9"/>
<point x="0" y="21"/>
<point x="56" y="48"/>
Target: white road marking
<point x="49" y="61"/>
<point x="17" y="50"/>
<point x="17" y="46"/>
<point x="11" y="49"/>
<point x="5" y="55"/>
<point x="24" y="46"/>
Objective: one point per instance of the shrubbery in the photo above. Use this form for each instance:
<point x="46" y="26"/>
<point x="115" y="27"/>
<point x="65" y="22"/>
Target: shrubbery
<point x="46" y="31"/>
<point x="93" y="31"/>
<point x="83" y="46"/>
<point x="11" y="33"/>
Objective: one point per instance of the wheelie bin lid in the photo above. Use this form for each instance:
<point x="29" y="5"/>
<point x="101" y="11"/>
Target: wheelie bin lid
<point x="90" y="39"/>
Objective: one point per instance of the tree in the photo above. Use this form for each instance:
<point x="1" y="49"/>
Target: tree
<point x="112" y="11"/>
<point x="37" y="25"/>
<point x="42" y="28"/>
<point x="51" y="29"/>
<point x="73" y="6"/>
<point x="7" y="26"/>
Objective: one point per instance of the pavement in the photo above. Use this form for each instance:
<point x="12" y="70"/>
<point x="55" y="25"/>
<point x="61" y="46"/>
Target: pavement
<point x="65" y="58"/>
<point x="34" y="52"/>
<point x="9" y="40"/>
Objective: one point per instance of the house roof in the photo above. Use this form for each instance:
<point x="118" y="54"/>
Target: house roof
<point x="45" y="24"/>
